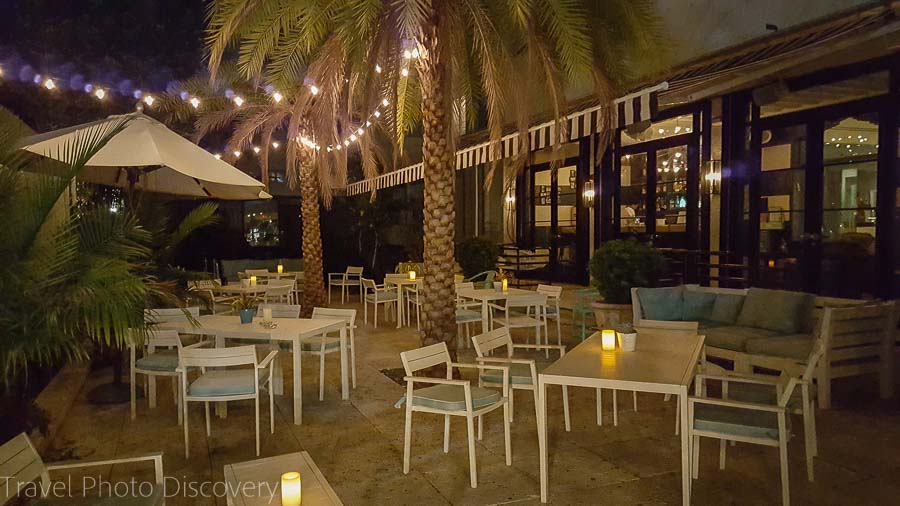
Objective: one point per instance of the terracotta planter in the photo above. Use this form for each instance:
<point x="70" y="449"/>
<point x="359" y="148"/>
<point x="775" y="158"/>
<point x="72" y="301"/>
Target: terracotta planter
<point x="609" y="316"/>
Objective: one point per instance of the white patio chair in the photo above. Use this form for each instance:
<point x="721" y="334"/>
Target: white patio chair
<point x="20" y="465"/>
<point x="757" y="411"/>
<point x="523" y="373"/>
<point x="262" y="275"/>
<point x="281" y="310"/>
<point x="345" y="280"/>
<point x="279" y="291"/>
<point x="553" y="293"/>
<point x="452" y="397"/>
<point x="467" y="312"/>
<point x="377" y="294"/>
<point x="532" y="314"/>
<point x="207" y="288"/>
<point x="225" y="382"/>
<point x="160" y="358"/>
<point x="326" y="344"/>
<point x="411" y="298"/>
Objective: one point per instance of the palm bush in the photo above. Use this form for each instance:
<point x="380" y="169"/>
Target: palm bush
<point x="620" y="265"/>
<point x="67" y="278"/>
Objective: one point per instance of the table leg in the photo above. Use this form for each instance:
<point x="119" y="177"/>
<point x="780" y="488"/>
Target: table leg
<point x="542" y="437"/>
<point x="298" y="390"/>
<point x="345" y="384"/>
<point x="484" y="316"/>
<point x="221" y="407"/>
<point x="277" y="373"/>
<point x="685" y="448"/>
<point x="400" y="306"/>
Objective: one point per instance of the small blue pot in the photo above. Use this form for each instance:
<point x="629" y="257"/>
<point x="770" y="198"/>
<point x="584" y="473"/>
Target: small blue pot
<point x="247" y="315"/>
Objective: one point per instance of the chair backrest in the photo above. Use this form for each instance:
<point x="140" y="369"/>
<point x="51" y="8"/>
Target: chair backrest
<point x="279" y="289"/>
<point x="465" y="286"/>
<point x="353" y="272"/>
<point x="789" y="381"/>
<point x="368" y="284"/>
<point x="158" y="338"/>
<point x="348" y="315"/>
<point x="395" y="276"/>
<point x="171" y="315"/>
<point x="205" y="284"/>
<point x="489" y="341"/>
<point x="458" y="278"/>
<point x="218" y="357"/>
<point x="423" y="358"/>
<point x="20" y="465"/>
<point x="526" y="300"/>
<point x="282" y="310"/>
<point x="257" y="272"/>
<point x="551" y="291"/>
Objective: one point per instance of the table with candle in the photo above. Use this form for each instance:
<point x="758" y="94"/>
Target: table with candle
<point x="411" y="279"/>
<point x="659" y="365"/>
<point x="294" y="477"/>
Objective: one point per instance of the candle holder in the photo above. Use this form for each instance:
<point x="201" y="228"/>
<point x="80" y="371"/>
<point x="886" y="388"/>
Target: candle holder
<point x="412" y="275"/>
<point x="608" y="340"/>
<point x="291" y="489"/>
<point x="252" y="280"/>
<point x="280" y="269"/>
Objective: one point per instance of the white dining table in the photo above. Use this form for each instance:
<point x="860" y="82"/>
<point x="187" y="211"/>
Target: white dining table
<point x="488" y="295"/>
<point x="292" y="330"/>
<point x="239" y="289"/>
<point x="660" y="364"/>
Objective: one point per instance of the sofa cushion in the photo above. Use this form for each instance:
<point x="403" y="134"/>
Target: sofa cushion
<point x="795" y="346"/>
<point x="663" y="304"/>
<point x="452" y="397"/>
<point x="226" y="382"/>
<point x="734" y="337"/>
<point x="779" y="310"/>
<point x="160" y="360"/>
<point x="727" y="308"/>
<point x="698" y="305"/>
<point x="519" y="374"/>
<point x="709" y="324"/>
<point x="735" y="421"/>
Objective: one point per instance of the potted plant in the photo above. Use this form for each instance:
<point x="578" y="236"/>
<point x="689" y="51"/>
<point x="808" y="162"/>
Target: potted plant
<point x="627" y="336"/>
<point x="246" y="307"/>
<point x="476" y="256"/>
<point x="617" y="267"/>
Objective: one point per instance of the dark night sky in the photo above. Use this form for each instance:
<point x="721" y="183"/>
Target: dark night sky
<point x="121" y="44"/>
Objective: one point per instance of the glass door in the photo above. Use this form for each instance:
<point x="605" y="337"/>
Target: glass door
<point x="551" y="217"/>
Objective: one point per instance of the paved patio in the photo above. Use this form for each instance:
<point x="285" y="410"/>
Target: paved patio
<point x="358" y="444"/>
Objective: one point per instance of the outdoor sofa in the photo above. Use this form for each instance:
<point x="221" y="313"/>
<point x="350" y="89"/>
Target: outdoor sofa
<point x="774" y="328"/>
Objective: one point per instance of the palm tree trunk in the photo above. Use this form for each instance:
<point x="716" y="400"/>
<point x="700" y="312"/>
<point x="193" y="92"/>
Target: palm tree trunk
<point x="438" y="295"/>
<point x="313" y="284"/>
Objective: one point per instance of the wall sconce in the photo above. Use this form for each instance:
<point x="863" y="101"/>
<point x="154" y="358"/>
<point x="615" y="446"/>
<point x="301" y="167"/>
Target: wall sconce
<point x="714" y="176"/>
<point x="588" y="192"/>
<point x="510" y="200"/>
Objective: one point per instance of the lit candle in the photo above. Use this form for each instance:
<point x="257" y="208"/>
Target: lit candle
<point x="252" y="280"/>
<point x="412" y="275"/>
<point x="505" y="284"/>
<point x="290" y="489"/>
<point x="608" y="340"/>
<point x="280" y="269"/>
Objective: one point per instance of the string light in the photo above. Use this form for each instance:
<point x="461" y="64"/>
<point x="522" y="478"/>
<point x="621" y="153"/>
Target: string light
<point x="377" y="114"/>
<point x="49" y="84"/>
<point x="275" y="144"/>
<point x="314" y="89"/>
<point x="195" y="102"/>
<point x="256" y="149"/>
<point x="407" y="54"/>
<point x="277" y="97"/>
<point x="238" y="101"/>
<point x="217" y="156"/>
<point x="100" y="93"/>
<point x="148" y="99"/>
<point x="377" y="70"/>
<point x="236" y="153"/>
<point x="384" y="102"/>
<point x="404" y="72"/>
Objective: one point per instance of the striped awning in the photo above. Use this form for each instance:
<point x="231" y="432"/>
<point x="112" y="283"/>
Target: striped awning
<point x="580" y="124"/>
<point x="638" y="106"/>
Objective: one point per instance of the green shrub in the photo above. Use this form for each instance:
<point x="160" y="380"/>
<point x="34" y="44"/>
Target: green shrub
<point x="476" y="255"/>
<point x="622" y="264"/>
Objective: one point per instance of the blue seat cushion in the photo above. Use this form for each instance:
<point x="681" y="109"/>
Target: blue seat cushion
<point x="726" y="308"/>
<point x="698" y="305"/>
<point x="162" y="360"/>
<point x="734" y="337"/>
<point x="765" y="394"/>
<point x="664" y="304"/>
<point x="226" y="382"/>
<point x="735" y="421"/>
<point x="315" y="344"/>
<point x="779" y="310"/>
<point x="519" y="374"/>
<point x="452" y="397"/>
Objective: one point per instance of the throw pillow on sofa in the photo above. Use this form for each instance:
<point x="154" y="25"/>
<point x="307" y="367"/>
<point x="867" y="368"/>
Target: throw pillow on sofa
<point x="663" y="304"/>
<point x="778" y="310"/>
<point x="727" y="308"/>
<point x="698" y="306"/>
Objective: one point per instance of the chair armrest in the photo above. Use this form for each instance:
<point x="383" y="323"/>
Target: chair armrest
<point x="268" y="360"/>
<point x="156" y="458"/>
<point x="199" y="344"/>
<point x="459" y="365"/>
<point x="735" y="404"/>
<point x="505" y="360"/>
<point x="335" y="275"/>
<point x="496" y="306"/>
<point x="561" y="348"/>
<point x="468" y="304"/>
<point x="435" y="381"/>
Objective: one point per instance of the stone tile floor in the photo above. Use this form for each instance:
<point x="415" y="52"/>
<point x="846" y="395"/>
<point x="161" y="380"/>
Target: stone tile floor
<point x="358" y="444"/>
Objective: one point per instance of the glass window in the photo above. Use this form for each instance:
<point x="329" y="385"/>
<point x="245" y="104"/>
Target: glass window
<point x="671" y="189"/>
<point x="542" y="200"/>
<point x="646" y="131"/>
<point x="782" y="190"/>
<point x="633" y="194"/>
<point x="850" y="178"/>
<point x="776" y="99"/>
<point x="261" y="223"/>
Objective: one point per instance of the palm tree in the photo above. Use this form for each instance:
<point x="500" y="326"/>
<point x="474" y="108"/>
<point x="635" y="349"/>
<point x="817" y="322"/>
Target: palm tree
<point x="439" y="62"/>
<point x="69" y="277"/>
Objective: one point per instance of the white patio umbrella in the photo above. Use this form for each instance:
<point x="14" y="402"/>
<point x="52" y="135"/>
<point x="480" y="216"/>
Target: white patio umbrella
<point x="152" y="158"/>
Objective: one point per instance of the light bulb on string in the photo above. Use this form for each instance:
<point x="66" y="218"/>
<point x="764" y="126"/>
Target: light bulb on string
<point x="49" y="84"/>
<point x="377" y="69"/>
<point x="314" y="89"/>
<point x="407" y="54"/>
<point x="195" y="102"/>
<point x="404" y="72"/>
<point x="360" y="131"/>
<point x="275" y="145"/>
<point x="217" y="156"/>
<point x="338" y="147"/>
<point x="277" y="97"/>
<point x="148" y="99"/>
<point x="236" y="153"/>
<point x="415" y="52"/>
<point x="368" y="123"/>
<point x="100" y="93"/>
<point x="384" y="102"/>
<point x="238" y="101"/>
<point x="256" y="149"/>
<point x="353" y="137"/>
<point x="377" y="114"/>
<point x="346" y="142"/>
